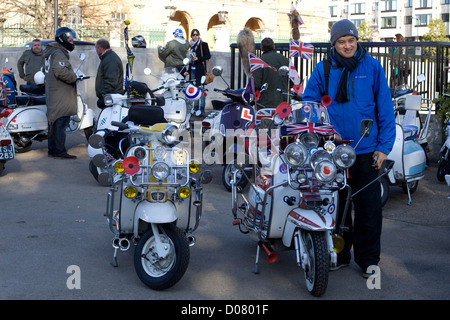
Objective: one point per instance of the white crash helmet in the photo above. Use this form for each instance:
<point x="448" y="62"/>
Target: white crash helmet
<point x="39" y="77"/>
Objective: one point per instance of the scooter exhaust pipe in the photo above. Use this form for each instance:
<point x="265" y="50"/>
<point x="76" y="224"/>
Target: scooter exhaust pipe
<point x="272" y="256"/>
<point x="191" y="240"/>
<point x="121" y="243"/>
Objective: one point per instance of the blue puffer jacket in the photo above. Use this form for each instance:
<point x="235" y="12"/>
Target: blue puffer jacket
<point x="369" y="92"/>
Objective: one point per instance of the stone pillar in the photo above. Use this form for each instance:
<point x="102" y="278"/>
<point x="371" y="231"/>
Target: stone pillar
<point x="222" y="37"/>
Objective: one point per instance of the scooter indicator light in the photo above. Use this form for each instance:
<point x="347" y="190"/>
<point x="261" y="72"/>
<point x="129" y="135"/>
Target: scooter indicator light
<point x="130" y="192"/>
<point x="184" y="192"/>
<point x="194" y="166"/>
<point x="118" y="167"/>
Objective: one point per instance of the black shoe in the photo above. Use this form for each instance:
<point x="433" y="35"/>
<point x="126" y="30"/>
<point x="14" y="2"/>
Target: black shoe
<point x="366" y="274"/>
<point x="339" y="265"/>
<point x="67" y="156"/>
<point x="342" y="261"/>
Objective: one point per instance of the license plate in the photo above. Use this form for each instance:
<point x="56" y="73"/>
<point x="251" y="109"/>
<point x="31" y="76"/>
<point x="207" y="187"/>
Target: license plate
<point x="6" y="152"/>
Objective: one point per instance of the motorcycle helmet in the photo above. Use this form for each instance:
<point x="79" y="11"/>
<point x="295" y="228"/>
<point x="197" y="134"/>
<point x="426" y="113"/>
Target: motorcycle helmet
<point x="62" y="36"/>
<point x="39" y="77"/>
<point x="138" y="42"/>
<point x="192" y="92"/>
<point x="178" y="33"/>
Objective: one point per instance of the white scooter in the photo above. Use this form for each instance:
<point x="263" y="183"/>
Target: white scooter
<point x="27" y="119"/>
<point x="443" y="170"/>
<point x="292" y="201"/>
<point x="408" y="154"/>
<point x="7" y="151"/>
<point x="156" y="200"/>
<point x="399" y="97"/>
<point x="179" y="95"/>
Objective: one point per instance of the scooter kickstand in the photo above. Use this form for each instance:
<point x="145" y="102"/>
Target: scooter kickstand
<point x="409" y="195"/>
<point x="256" y="268"/>
<point x="114" y="261"/>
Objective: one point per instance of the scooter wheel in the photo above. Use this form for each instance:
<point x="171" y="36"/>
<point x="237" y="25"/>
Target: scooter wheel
<point x="227" y="175"/>
<point x="384" y="186"/>
<point x="442" y="170"/>
<point x="162" y="273"/>
<point x="316" y="275"/>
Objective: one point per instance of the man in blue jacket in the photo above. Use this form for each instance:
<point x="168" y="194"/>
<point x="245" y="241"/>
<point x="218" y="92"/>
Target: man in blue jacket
<point x="359" y="90"/>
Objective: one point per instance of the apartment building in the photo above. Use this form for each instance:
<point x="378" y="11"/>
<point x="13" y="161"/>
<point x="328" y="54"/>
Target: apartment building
<point x="389" y="17"/>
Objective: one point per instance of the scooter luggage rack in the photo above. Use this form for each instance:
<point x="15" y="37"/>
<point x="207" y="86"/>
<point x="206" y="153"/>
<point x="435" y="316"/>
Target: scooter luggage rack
<point x="256" y="222"/>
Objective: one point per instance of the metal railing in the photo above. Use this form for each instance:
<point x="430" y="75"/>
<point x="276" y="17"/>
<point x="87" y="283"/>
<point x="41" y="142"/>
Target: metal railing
<point x="428" y="58"/>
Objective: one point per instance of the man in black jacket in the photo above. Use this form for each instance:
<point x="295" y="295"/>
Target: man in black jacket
<point x="110" y="72"/>
<point x="271" y="97"/>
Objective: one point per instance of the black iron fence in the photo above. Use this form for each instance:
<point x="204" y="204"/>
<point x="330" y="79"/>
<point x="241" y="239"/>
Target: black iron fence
<point x="428" y="58"/>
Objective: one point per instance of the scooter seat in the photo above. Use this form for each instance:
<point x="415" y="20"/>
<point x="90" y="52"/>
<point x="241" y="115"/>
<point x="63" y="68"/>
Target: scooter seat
<point x="30" y="100"/>
<point x="146" y="115"/>
<point x="220" y="104"/>
<point x="33" y="89"/>
<point x="409" y="132"/>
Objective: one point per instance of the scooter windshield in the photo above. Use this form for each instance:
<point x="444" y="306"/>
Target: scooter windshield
<point x="304" y="112"/>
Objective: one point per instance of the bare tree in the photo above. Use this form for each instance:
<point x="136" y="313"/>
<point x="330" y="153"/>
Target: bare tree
<point x="40" y="14"/>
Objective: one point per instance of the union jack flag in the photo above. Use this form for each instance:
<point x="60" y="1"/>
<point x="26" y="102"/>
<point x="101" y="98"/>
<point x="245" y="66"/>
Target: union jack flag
<point x="300" y="49"/>
<point x="264" y="113"/>
<point x="256" y="63"/>
<point x="295" y="13"/>
<point x="310" y="127"/>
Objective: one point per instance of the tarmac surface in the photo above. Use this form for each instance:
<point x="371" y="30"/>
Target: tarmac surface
<point x="52" y="227"/>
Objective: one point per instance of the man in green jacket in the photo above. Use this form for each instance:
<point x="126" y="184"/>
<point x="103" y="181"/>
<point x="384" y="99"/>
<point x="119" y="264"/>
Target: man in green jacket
<point x="271" y="97"/>
<point x="61" y="91"/>
<point x="32" y="60"/>
<point x="173" y="53"/>
<point x="110" y="72"/>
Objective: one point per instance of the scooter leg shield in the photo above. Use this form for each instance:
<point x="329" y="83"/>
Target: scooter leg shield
<point x="305" y="219"/>
<point x="88" y="119"/>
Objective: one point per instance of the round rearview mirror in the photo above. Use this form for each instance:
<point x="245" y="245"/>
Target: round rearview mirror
<point x="217" y="71"/>
<point x="284" y="71"/>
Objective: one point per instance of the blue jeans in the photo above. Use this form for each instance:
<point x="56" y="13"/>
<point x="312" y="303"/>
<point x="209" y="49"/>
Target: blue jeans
<point x="57" y="137"/>
<point x="202" y="101"/>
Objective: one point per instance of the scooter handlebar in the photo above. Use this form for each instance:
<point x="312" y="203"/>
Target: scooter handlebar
<point x="81" y="78"/>
<point x="121" y="125"/>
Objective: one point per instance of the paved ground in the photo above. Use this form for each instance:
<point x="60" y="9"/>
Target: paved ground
<point x="51" y="218"/>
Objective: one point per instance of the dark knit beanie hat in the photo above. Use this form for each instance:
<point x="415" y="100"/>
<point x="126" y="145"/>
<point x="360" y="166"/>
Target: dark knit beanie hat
<point x="342" y="28"/>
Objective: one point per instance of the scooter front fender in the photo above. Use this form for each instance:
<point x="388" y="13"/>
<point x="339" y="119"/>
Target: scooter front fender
<point x="155" y="212"/>
<point x="305" y="219"/>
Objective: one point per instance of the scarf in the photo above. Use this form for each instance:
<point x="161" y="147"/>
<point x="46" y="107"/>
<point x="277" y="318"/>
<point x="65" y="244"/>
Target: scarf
<point x="194" y="44"/>
<point x="349" y="65"/>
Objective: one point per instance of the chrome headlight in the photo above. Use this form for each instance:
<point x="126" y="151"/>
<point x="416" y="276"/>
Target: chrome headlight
<point x="325" y="171"/>
<point x="108" y="100"/>
<point x="318" y="156"/>
<point x="169" y="134"/>
<point x="160" y="170"/>
<point x="296" y="154"/>
<point x="344" y="156"/>
<point x="310" y="140"/>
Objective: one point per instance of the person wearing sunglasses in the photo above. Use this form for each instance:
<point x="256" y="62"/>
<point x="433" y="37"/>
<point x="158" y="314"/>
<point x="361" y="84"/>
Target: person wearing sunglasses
<point x="199" y="54"/>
